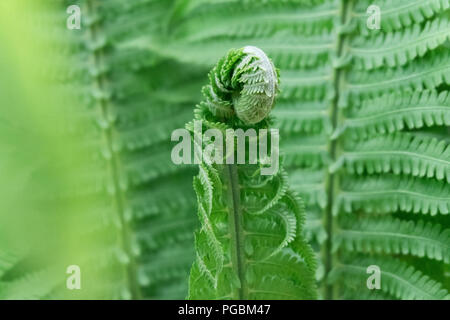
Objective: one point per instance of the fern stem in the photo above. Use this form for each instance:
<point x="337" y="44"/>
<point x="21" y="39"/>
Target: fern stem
<point x="236" y="228"/>
<point x="100" y="83"/>
<point x="332" y="185"/>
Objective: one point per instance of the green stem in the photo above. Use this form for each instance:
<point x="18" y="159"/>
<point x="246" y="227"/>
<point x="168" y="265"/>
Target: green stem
<point x="338" y="82"/>
<point x="236" y="229"/>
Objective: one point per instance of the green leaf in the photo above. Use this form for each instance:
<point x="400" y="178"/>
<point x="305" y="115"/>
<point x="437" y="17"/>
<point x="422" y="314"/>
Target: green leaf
<point x="389" y="193"/>
<point x="393" y="236"/>
<point x="397" y="279"/>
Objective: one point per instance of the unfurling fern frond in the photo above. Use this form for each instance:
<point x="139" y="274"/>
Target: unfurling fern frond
<point x="250" y="245"/>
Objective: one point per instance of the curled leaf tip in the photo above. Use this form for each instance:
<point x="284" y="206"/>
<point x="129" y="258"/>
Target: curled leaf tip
<point x="244" y="84"/>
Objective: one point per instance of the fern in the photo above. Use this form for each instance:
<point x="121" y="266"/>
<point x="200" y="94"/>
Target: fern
<point x="393" y="112"/>
<point x="383" y="173"/>
<point x="400" y="153"/>
<point x="363" y="117"/>
<point x="250" y="244"/>
<point x="399" y="280"/>
<point x="402" y="13"/>
<point x="397" y="49"/>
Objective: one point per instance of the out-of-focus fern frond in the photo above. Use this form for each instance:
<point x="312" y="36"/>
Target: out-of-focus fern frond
<point x="389" y="193"/>
<point x="363" y="117"/>
<point x="394" y="236"/>
<point x="431" y="73"/>
<point x="400" y="153"/>
<point x="397" y="49"/>
<point x="396" y="111"/>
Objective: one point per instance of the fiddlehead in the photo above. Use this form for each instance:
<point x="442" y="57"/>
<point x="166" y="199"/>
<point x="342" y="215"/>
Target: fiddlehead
<point x="242" y="84"/>
<point x="250" y="243"/>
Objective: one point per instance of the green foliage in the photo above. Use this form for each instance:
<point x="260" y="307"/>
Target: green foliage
<point x="400" y="153"/>
<point x="394" y="236"/>
<point x="390" y="193"/>
<point x="395" y="111"/>
<point x="398" y="279"/>
<point x="120" y="204"/>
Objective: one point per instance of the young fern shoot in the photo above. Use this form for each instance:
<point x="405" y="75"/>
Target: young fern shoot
<point x="250" y="244"/>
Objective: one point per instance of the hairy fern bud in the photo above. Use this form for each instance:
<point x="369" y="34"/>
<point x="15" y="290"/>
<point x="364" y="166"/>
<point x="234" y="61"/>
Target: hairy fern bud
<point x="243" y="83"/>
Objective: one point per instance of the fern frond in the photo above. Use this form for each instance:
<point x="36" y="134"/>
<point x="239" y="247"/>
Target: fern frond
<point x="417" y="75"/>
<point x="307" y="53"/>
<point x="394" y="236"/>
<point x="400" y="153"/>
<point x="253" y="20"/>
<point x="288" y="52"/>
<point x="397" y="111"/>
<point x="251" y="234"/>
<point x="308" y="85"/>
<point x="390" y="193"/>
<point x="165" y="231"/>
<point x="309" y="183"/>
<point x="399" y="48"/>
<point x="162" y="267"/>
<point x="401" y="13"/>
<point x="138" y="138"/>
<point x="314" y="228"/>
<point x="307" y="151"/>
<point x="305" y="117"/>
<point x="165" y="199"/>
<point x="397" y="279"/>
